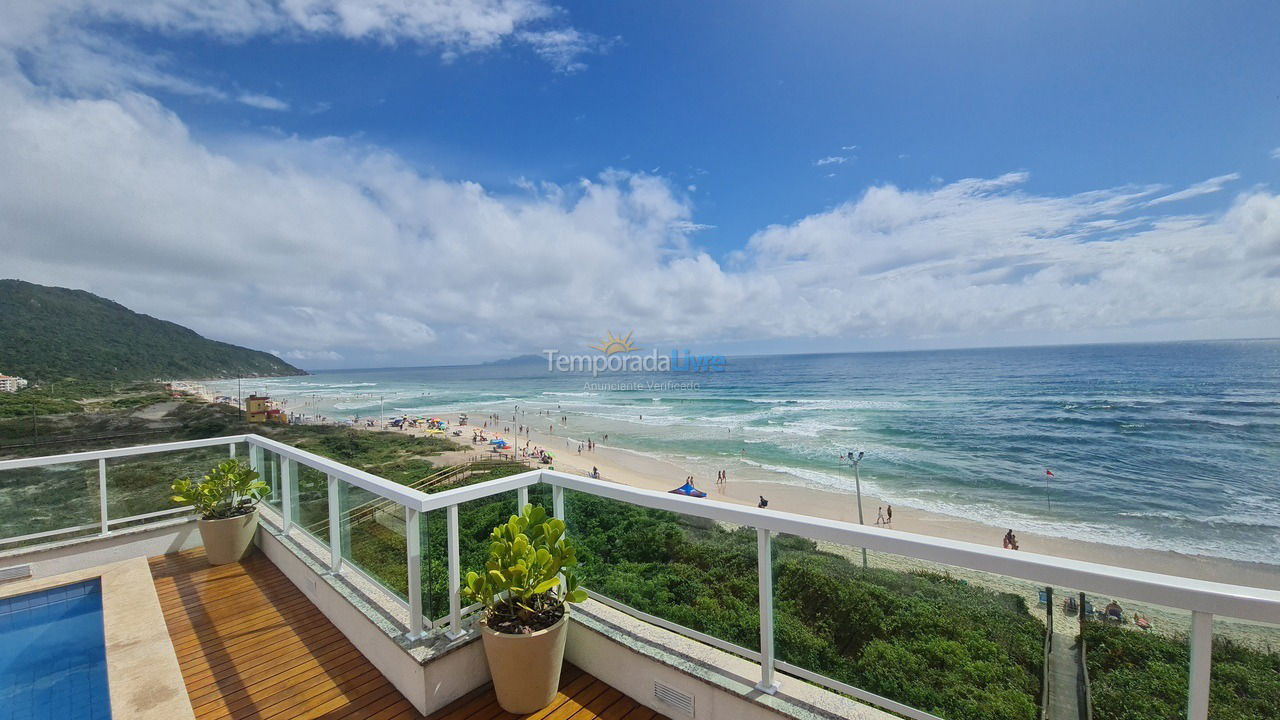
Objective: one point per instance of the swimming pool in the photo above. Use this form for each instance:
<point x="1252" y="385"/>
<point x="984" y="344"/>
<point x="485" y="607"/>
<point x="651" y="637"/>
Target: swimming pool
<point x="53" y="659"/>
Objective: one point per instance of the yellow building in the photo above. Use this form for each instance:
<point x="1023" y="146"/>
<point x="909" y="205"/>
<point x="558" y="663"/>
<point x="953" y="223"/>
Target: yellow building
<point x="260" y="409"/>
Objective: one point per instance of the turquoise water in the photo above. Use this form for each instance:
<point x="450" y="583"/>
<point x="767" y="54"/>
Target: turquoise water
<point x="1172" y="446"/>
<point x="53" y="658"/>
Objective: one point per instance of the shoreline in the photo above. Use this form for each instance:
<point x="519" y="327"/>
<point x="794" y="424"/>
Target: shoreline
<point x="636" y="469"/>
<point x="641" y="470"/>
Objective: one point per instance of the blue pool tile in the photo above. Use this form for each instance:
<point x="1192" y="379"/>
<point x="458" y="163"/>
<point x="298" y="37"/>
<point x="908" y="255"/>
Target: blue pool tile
<point x="53" y="656"/>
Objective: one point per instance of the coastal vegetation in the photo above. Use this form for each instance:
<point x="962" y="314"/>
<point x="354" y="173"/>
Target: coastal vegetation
<point x="1136" y="675"/>
<point x="53" y="333"/>
<point x="928" y="640"/>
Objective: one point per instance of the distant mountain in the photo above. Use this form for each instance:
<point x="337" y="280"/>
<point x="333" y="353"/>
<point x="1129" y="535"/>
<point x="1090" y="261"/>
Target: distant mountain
<point x="518" y="360"/>
<point x="51" y="333"/>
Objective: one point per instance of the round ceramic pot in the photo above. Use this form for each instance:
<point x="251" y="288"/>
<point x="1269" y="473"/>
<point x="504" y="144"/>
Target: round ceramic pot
<point x="525" y="668"/>
<point x="228" y="540"/>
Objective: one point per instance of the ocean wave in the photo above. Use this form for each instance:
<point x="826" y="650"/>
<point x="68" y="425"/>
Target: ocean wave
<point x="570" y="394"/>
<point x="832" y="404"/>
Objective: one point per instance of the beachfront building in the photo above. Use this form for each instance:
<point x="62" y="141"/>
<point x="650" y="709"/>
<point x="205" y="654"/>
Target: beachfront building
<point x="10" y="384"/>
<point x="260" y="409"/>
<point x="308" y="627"/>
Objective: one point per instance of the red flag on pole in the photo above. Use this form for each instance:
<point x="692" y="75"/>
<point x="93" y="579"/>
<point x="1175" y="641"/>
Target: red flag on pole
<point x="1049" y="473"/>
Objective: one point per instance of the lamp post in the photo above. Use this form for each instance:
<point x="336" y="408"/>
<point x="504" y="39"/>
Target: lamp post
<point x="857" y="484"/>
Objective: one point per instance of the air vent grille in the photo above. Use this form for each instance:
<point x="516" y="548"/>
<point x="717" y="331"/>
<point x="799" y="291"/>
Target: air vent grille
<point x="17" y="572"/>
<point x="673" y="697"/>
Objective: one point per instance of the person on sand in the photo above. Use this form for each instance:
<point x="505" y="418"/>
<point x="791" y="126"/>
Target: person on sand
<point x="1010" y="540"/>
<point x="888" y="514"/>
<point x="1114" y="611"/>
<point x="763" y="503"/>
<point x="880" y="516"/>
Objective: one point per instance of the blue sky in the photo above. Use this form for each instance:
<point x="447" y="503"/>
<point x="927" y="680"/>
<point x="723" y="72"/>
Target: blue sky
<point x="741" y="146"/>
<point x="740" y="99"/>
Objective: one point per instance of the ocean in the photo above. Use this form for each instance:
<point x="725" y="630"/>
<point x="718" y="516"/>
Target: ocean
<point x="1168" y="446"/>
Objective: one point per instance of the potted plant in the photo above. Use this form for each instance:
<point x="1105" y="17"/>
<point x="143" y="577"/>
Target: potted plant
<point x="227" y="499"/>
<point x="526" y="614"/>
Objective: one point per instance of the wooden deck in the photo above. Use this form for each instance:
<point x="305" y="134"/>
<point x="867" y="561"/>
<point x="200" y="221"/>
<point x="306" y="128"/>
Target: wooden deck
<point x="251" y="645"/>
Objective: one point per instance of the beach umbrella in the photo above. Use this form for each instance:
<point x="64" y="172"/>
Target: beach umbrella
<point x="688" y="489"/>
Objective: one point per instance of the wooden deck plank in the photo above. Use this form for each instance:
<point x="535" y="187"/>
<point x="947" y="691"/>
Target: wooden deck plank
<point x="251" y="645"/>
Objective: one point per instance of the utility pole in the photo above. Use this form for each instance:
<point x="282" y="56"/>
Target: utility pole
<point x="857" y="484"/>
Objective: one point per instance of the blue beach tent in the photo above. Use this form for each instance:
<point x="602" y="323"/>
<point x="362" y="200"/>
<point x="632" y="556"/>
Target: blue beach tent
<point x="688" y="489"/>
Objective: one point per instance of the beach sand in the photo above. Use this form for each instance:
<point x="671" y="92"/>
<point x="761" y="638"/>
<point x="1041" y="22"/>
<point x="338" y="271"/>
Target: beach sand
<point x="644" y="471"/>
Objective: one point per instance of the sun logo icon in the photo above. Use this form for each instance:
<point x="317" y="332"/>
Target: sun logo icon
<point x="612" y="345"/>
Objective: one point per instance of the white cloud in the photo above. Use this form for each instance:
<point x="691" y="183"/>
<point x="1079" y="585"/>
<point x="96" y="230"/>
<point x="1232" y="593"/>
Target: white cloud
<point x="262" y="102"/>
<point x="330" y="246"/>
<point x="831" y="160"/>
<point x="563" y="48"/>
<point x="849" y="148"/>
<point x="70" y="45"/>
<point x="1276" y="153"/>
<point x="339" y="251"/>
<point x="1206" y="187"/>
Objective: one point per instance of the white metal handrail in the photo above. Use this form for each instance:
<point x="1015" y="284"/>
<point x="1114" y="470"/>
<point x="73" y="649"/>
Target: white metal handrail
<point x="1202" y="598"/>
<point x="121" y="452"/>
<point x="1248" y="603"/>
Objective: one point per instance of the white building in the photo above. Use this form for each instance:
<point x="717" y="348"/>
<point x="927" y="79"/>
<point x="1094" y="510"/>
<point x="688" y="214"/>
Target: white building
<point x="9" y="383"/>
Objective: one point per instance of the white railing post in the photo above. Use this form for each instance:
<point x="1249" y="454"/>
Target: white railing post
<point x="413" y="555"/>
<point x="231" y="448"/>
<point x="102" y="496"/>
<point x="557" y="506"/>
<point x="255" y="458"/>
<point x="335" y="526"/>
<point x="522" y="499"/>
<point x="764" y="568"/>
<point x="455" y="576"/>
<point x="290" y="475"/>
<point x="1201" y="665"/>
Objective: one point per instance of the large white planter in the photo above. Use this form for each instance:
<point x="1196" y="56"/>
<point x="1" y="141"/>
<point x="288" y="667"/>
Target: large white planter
<point x="526" y="668"/>
<point x="228" y="540"/>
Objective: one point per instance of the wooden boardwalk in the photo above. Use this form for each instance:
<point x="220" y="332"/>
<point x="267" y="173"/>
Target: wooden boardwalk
<point x="251" y="645"/>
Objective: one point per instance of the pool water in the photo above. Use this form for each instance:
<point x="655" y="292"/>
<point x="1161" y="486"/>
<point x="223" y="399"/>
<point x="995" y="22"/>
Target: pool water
<point x="53" y="658"/>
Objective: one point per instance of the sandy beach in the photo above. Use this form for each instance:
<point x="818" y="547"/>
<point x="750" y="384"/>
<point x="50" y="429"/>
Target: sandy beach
<point x="644" y="471"/>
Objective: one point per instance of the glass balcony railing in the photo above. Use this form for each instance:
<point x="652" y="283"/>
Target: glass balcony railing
<point x="927" y="628"/>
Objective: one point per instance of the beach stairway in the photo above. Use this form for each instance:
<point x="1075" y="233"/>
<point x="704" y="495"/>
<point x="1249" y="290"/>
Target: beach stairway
<point x="390" y="515"/>
<point x="1064" y="681"/>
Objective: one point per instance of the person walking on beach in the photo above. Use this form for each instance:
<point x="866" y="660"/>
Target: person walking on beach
<point x="880" y="516"/>
<point x="888" y="514"/>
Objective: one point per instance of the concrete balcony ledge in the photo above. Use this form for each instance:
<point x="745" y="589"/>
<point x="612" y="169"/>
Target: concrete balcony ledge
<point x="631" y="655"/>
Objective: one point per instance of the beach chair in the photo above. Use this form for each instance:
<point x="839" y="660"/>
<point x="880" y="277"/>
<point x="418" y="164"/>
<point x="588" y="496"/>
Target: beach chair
<point x="1088" y="609"/>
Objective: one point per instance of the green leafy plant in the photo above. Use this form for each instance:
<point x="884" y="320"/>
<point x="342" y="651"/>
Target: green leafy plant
<point x="520" y="583"/>
<point x="230" y="489"/>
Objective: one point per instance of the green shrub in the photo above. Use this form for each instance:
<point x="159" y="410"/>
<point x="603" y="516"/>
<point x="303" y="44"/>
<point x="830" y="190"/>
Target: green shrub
<point x="1137" y="675"/>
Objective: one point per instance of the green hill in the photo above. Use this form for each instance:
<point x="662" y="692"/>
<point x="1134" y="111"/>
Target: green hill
<point x="52" y="333"/>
